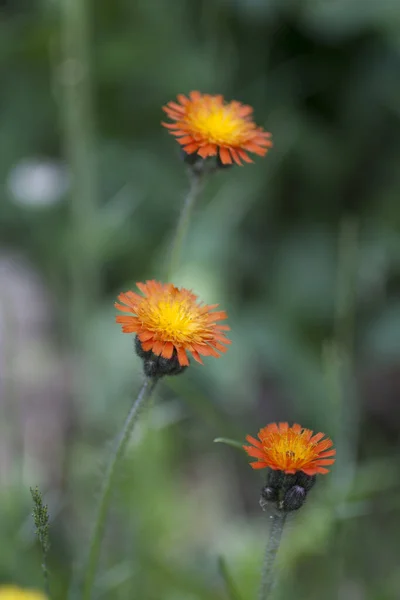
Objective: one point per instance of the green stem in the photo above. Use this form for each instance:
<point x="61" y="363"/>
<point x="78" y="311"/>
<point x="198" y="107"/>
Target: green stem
<point x="346" y="285"/>
<point x="45" y="572"/>
<point x="347" y="409"/>
<point x="108" y="484"/>
<point x="268" y="578"/>
<point x="76" y="106"/>
<point x="339" y="358"/>
<point x="196" y="185"/>
<point x="227" y="579"/>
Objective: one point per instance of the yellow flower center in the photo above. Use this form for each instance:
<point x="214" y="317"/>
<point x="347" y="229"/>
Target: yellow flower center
<point x="289" y="450"/>
<point x="174" y="319"/>
<point x="218" y="124"/>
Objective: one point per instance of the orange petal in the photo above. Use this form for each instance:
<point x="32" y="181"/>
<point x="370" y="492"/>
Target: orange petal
<point x="144" y="336"/>
<point x="311" y="471"/>
<point x="208" y="150"/>
<point x="158" y="347"/>
<point x="221" y="338"/>
<point x="253" y="441"/>
<point x="252" y="147"/>
<point x="129" y="298"/>
<point x="324" y="445"/>
<point x="244" y="156"/>
<point x="254" y="452"/>
<point x="191" y="148"/>
<point x="187" y="139"/>
<point x="182" y="357"/>
<point x="235" y="157"/>
<point x="123" y="308"/>
<point x="180" y="132"/>
<point x="225" y="156"/>
<point x="218" y="316"/>
<point x="182" y="99"/>
<point x="316" y="438"/>
<point x="259" y="465"/>
<point x="195" y="95"/>
<point x="196" y="356"/>
<point x="178" y="107"/>
<point x="245" y="110"/>
<point x="124" y="320"/>
<point x="173" y="114"/>
<point x="168" y="350"/>
<point x="219" y="347"/>
<point x="146" y="346"/>
<point x="328" y="453"/>
<point x="271" y="428"/>
<point x="142" y="287"/>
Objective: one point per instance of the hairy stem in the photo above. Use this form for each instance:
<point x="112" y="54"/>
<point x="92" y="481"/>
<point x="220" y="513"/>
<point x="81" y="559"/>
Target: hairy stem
<point x="108" y="484"/>
<point x="268" y="577"/>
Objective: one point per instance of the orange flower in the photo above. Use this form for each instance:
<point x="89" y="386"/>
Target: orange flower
<point x="207" y="125"/>
<point x="168" y="319"/>
<point x="290" y="449"/>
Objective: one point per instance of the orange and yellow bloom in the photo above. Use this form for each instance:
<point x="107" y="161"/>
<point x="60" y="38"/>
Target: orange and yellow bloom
<point x="291" y="449"/>
<point x="12" y="592"/>
<point x="169" y="321"/>
<point x="209" y="126"/>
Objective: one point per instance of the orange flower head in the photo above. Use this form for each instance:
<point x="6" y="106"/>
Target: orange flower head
<point x="291" y="449"/>
<point x="169" y="321"/>
<point x="209" y="126"/>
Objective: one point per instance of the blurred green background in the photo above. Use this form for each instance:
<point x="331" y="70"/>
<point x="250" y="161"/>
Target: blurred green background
<point x="302" y="249"/>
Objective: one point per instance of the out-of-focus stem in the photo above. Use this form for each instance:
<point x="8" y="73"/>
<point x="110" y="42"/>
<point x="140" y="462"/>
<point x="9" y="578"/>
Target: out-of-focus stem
<point x="227" y="579"/>
<point x="196" y="185"/>
<point x="346" y="285"/>
<point x="73" y="89"/>
<point x="343" y="346"/>
<point x="74" y="85"/>
<point x="268" y="577"/>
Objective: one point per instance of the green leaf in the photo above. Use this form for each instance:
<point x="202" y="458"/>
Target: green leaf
<point x="229" y="442"/>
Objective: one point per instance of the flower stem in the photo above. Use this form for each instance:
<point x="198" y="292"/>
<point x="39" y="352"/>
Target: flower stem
<point x="268" y="578"/>
<point x="74" y="83"/>
<point x="108" y="483"/>
<point x="196" y="185"/>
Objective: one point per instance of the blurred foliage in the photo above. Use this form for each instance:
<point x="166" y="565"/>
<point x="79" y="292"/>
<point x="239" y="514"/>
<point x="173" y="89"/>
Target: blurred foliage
<point x="264" y="242"/>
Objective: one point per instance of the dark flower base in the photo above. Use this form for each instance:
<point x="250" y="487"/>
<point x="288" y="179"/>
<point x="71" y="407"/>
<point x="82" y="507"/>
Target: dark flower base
<point x="200" y="165"/>
<point x="286" y="492"/>
<point x="156" y="366"/>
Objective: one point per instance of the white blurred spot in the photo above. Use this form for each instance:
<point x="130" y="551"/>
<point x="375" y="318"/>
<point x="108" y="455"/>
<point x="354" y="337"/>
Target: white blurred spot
<point x="36" y="182"/>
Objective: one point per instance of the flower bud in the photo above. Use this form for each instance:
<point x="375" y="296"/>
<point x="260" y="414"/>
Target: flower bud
<point x="306" y="481"/>
<point x="294" y="498"/>
<point x="268" y="495"/>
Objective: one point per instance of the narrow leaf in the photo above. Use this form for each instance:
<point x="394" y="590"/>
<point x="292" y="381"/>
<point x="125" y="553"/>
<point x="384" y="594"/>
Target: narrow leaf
<point x="229" y="442"/>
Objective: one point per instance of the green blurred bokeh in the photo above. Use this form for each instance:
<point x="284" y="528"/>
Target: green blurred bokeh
<point x="302" y="249"/>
